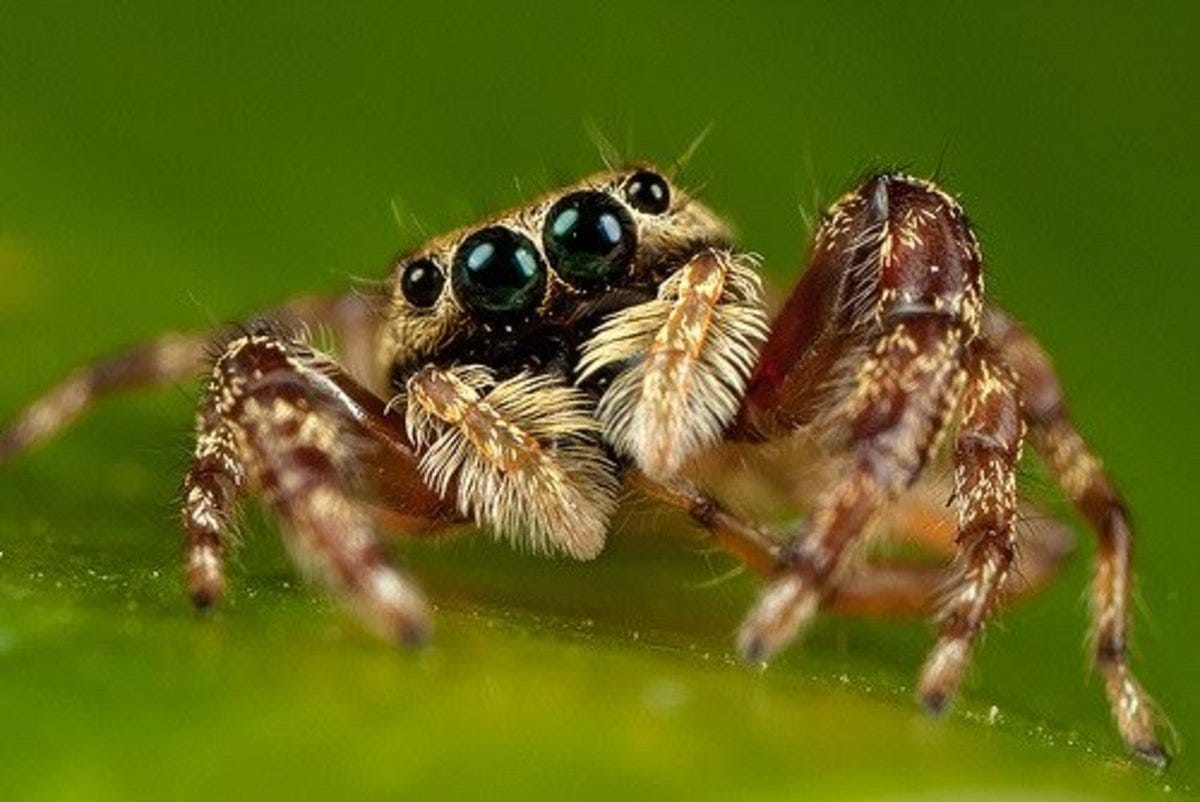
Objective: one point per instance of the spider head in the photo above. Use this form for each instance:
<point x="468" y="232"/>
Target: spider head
<point x="543" y="273"/>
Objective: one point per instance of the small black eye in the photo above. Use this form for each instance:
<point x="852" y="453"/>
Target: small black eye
<point x="498" y="271"/>
<point x="589" y="238"/>
<point x="422" y="283"/>
<point x="648" y="192"/>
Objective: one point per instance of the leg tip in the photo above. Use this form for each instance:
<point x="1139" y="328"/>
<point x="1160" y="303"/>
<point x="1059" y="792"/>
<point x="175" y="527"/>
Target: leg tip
<point x="10" y="446"/>
<point x="205" y="598"/>
<point x="935" y="702"/>
<point x="784" y="612"/>
<point x="752" y="648"/>
<point x="942" y="674"/>
<point x="1152" y="753"/>
<point x="414" y="635"/>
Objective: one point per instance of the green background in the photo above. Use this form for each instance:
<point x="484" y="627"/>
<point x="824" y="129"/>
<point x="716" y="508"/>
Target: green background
<point x="167" y="166"/>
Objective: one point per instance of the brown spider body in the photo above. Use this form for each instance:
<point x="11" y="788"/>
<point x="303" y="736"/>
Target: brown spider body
<point x="518" y="373"/>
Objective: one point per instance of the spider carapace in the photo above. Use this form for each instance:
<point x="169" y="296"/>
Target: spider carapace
<point x="519" y="373"/>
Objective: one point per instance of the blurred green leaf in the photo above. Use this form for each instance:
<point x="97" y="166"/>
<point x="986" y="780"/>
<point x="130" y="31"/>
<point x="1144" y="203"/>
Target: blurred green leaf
<point x="171" y="166"/>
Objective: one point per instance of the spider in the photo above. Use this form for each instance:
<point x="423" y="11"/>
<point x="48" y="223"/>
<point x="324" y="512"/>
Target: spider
<point x="518" y="373"/>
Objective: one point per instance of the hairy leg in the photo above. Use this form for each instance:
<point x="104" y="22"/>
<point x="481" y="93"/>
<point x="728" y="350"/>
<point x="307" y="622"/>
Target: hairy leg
<point x="756" y="549"/>
<point x="881" y="588"/>
<point x="987" y="451"/>
<point x="889" y="588"/>
<point x="283" y="420"/>
<point x="176" y="358"/>
<point x="171" y="358"/>
<point x="868" y="353"/>
<point x="1084" y="480"/>
<point x="212" y="487"/>
<point x="900" y="247"/>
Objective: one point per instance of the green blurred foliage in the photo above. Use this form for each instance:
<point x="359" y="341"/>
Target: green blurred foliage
<point x="171" y="165"/>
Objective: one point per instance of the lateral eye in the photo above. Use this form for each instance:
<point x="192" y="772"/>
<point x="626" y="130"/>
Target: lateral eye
<point x="589" y="238"/>
<point x="497" y="271"/>
<point x="648" y="192"/>
<point x="422" y="282"/>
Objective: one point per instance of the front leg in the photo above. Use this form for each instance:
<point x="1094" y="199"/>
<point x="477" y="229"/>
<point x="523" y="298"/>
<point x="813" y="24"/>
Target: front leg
<point x="986" y="452"/>
<point x="285" y="421"/>
<point x="520" y="456"/>
<point x="869" y="355"/>
<point x="896" y="417"/>
<point x="899" y="250"/>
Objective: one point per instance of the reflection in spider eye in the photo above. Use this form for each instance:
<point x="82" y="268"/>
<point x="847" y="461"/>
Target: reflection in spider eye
<point x="589" y="238"/>
<point x="647" y="191"/>
<point x="422" y="283"/>
<point x="498" y="271"/>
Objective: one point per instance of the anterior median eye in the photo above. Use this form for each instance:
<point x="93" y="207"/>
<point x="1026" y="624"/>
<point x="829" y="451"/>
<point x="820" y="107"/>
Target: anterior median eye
<point x="589" y="238"/>
<point x="498" y="271"/>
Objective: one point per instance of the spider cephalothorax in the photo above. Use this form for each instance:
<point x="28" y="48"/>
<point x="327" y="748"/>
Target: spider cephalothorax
<point x="518" y="373"/>
<point x="551" y="268"/>
<point x="604" y="322"/>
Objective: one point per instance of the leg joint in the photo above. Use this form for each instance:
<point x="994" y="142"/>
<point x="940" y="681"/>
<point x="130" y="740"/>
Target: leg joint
<point x="704" y="511"/>
<point x="1110" y="650"/>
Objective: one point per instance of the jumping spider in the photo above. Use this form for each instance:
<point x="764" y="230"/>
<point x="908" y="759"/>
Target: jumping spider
<point x="517" y="373"/>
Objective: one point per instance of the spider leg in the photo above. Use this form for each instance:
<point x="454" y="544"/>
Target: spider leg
<point x="888" y="583"/>
<point x="886" y="590"/>
<point x="285" y="421"/>
<point x="758" y="550"/>
<point x="880" y="588"/>
<point x="988" y="448"/>
<point x="169" y="359"/>
<point x="1083" y="478"/>
<point x="893" y="589"/>
<point x="869" y="354"/>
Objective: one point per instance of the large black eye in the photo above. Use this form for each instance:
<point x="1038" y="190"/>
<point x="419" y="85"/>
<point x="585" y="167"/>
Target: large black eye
<point x="648" y="192"/>
<point x="422" y="282"/>
<point x="589" y="238"/>
<point x="498" y="271"/>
